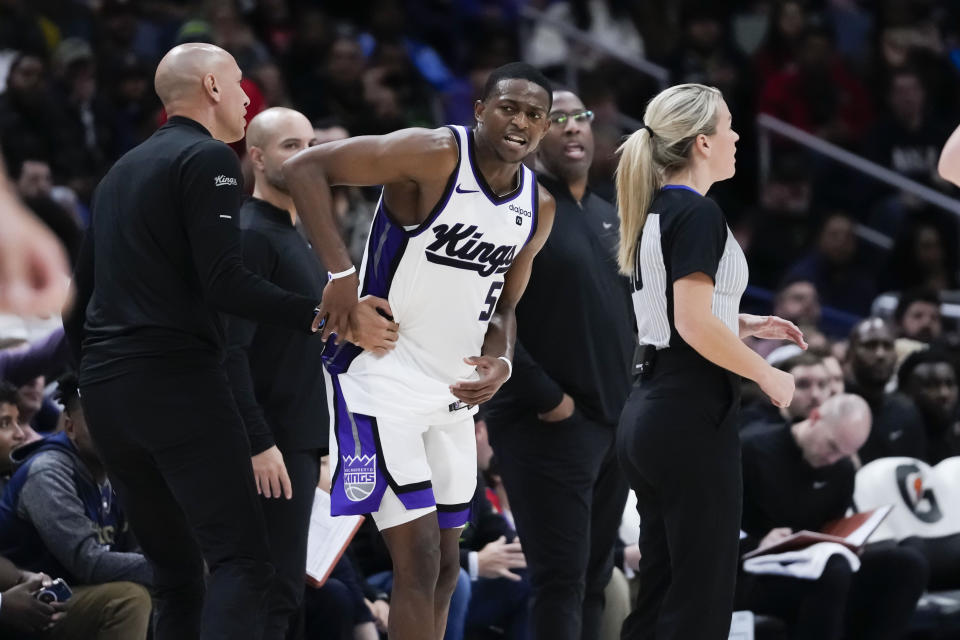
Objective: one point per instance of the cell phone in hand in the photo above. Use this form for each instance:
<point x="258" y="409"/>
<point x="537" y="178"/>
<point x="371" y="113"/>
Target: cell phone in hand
<point x="58" y="591"/>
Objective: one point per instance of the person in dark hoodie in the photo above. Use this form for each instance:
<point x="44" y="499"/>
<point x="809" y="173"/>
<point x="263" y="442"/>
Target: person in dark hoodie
<point x="60" y="516"/>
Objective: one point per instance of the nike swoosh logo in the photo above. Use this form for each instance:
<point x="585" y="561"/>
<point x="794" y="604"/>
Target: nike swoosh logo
<point x="819" y="485"/>
<point x="459" y="190"/>
<point x="895" y="435"/>
<point x="607" y="225"/>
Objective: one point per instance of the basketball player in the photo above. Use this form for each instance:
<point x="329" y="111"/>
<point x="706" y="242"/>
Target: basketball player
<point x="459" y="222"/>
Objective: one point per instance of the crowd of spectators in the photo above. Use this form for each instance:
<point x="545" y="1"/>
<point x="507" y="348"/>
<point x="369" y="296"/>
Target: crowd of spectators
<point x="881" y="79"/>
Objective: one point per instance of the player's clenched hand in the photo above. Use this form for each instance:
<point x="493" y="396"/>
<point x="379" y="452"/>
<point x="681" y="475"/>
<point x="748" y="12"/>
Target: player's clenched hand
<point x="339" y="298"/>
<point x="493" y="373"/>
<point x="371" y="325"/>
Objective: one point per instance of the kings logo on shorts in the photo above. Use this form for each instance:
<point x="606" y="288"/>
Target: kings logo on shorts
<point x="359" y="476"/>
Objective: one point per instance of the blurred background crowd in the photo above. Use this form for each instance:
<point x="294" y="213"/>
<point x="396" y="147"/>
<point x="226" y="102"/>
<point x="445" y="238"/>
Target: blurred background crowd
<point x="831" y="238"/>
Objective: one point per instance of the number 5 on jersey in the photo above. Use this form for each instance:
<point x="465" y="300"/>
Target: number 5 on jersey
<point x="492" y="296"/>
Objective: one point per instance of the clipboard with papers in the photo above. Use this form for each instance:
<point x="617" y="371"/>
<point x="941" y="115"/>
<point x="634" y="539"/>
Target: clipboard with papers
<point x="327" y="539"/>
<point x="851" y="532"/>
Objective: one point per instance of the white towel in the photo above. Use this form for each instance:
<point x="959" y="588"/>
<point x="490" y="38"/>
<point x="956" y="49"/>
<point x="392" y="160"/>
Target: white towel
<point x="806" y="564"/>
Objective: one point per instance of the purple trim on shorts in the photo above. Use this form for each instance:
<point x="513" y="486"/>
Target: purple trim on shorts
<point x="453" y="519"/>
<point x="418" y="499"/>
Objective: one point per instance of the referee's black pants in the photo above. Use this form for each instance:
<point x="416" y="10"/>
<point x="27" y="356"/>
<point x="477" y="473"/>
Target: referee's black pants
<point x="177" y="454"/>
<point x="680" y="450"/>
<point x="288" y="523"/>
<point x="567" y="496"/>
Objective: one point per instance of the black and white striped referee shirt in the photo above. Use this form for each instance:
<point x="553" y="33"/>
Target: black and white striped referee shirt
<point x="684" y="233"/>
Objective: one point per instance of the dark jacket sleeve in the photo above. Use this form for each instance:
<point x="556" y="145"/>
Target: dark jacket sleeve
<point x="541" y="391"/>
<point x="212" y="190"/>
<point x="46" y="357"/>
<point x="261" y="259"/>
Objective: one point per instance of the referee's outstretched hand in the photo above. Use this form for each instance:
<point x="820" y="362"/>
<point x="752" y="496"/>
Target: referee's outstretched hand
<point x="771" y="328"/>
<point x="333" y="313"/>
<point x="493" y="373"/>
<point x="778" y="385"/>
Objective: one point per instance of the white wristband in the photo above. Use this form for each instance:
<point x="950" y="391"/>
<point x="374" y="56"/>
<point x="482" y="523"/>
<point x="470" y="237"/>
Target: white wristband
<point x="509" y="365"/>
<point x="342" y="274"/>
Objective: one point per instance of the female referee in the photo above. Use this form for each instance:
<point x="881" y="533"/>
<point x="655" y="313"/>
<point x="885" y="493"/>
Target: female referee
<point x="677" y="438"/>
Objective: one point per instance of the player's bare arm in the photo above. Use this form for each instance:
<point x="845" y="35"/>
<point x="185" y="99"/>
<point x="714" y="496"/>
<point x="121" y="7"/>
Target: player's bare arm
<point x="502" y="332"/>
<point x="414" y="162"/>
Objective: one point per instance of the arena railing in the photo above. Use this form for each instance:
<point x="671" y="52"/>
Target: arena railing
<point x="769" y="126"/>
<point x="572" y="64"/>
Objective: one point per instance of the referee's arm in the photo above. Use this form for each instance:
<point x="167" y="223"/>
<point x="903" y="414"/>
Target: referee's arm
<point x="211" y="185"/>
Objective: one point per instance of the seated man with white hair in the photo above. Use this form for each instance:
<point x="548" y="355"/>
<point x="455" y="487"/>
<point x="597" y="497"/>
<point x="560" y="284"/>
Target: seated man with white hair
<point x="800" y="476"/>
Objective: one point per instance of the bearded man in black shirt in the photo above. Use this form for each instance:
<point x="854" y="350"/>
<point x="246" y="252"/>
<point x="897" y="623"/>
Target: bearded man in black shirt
<point x="897" y="425"/>
<point x="929" y="378"/>
<point x="553" y="423"/>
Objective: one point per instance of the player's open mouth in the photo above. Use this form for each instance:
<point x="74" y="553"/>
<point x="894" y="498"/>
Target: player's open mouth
<point x="517" y="141"/>
<point x="574" y="150"/>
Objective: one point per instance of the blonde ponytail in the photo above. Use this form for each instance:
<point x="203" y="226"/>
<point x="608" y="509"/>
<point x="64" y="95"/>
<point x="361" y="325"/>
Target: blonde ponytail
<point x="637" y="182"/>
<point x="673" y="120"/>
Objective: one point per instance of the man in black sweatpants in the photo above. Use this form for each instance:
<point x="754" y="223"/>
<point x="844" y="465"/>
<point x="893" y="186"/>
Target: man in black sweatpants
<point x="553" y="424"/>
<point x="161" y="260"/>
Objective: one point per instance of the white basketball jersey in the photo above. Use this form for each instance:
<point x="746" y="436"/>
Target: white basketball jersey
<point x="443" y="280"/>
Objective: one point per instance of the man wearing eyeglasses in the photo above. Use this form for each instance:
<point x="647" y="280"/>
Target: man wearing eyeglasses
<point x="552" y="424"/>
